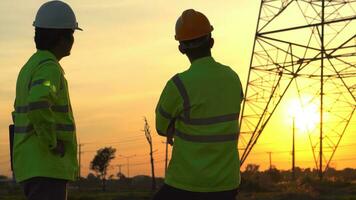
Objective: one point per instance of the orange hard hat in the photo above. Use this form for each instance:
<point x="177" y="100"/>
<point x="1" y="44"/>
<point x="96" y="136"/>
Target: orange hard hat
<point x="191" y="25"/>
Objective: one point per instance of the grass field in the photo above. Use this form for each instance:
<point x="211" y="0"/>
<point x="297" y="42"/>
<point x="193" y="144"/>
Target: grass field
<point x="267" y="185"/>
<point x="146" y="195"/>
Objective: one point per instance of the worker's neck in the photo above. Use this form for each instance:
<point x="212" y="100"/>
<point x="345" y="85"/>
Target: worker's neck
<point x="197" y="55"/>
<point x="57" y="53"/>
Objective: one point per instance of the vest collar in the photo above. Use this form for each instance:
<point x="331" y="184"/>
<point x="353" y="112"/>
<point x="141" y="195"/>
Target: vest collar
<point x="202" y="61"/>
<point x="46" y="54"/>
<point x="49" y="55"/>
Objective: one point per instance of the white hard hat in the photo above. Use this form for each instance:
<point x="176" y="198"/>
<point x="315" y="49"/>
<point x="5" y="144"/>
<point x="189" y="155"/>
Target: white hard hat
<point x="56" y="15"/>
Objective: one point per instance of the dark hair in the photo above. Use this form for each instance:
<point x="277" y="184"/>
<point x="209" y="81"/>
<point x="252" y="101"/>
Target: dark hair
<point x="198" y="45"/>
<point x="47" y="39"/>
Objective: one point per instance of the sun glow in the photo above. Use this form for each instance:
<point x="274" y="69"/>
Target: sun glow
<point x="306" y="114"/>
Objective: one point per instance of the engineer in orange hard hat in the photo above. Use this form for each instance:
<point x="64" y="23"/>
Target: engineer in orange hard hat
<point x="198" y="110"/>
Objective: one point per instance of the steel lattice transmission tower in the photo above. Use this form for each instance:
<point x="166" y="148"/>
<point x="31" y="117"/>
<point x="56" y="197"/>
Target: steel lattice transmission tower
<point x="303" y="48"/>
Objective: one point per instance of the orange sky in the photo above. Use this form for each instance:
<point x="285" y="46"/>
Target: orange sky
<point x="119" y="65"/>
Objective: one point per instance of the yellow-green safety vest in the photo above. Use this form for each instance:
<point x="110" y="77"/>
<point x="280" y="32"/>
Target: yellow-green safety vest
<point x="201" y="106"/>
<point x="42" y="115"/>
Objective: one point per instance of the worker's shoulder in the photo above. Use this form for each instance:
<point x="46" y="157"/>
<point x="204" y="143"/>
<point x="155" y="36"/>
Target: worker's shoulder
<point x="227" y="70"/>
<point x="181" y="74"/>
<point x="50" y="69"/>
<point x="225" y="67"/>
<point x="192" y="74"/>
<point x="38" y="60"/>
<point x="173" y="80"/>
<point x="44" y="64"/>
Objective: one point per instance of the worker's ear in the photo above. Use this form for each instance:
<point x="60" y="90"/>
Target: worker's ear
<point x="211" y="42"/>
<point x="182" y="49"/>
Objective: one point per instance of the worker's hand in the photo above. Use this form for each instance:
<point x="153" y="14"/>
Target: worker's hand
<point x="59" y="150"/>
<point x="170" y="140"/>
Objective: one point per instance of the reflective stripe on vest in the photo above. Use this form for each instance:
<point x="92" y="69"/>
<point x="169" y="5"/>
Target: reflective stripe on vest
<point x="38" y="105"/>
<point x="23" y="129"/>
<point x="206" y="138"/>
<point x="164" y="113"/>
<point x="65" y="127"/>
<point x="186" y="106"/>
<point x="37" y="82"/>
<point x="199" y="121"/>
<point x="29" y="128"/>
<point x="30" y="84"/>
<point x="209" y="120"/>
<point x="183" y="92"/>
<point x="62" y="109"/>
<point x="41" y="105"/>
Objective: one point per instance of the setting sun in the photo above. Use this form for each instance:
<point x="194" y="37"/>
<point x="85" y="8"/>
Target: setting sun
<point x="305" y="113"/>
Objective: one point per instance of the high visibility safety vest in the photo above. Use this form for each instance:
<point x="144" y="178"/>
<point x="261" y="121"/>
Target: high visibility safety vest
<point x="202" y="106"/>
<point x="42" y="115"/>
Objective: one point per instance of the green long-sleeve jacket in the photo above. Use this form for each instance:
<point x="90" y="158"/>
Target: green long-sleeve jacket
<point x="200" y="107"/>
<point x="42" y="116"/>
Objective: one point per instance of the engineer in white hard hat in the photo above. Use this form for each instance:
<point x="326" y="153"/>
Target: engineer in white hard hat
<point x="45" y="145"/>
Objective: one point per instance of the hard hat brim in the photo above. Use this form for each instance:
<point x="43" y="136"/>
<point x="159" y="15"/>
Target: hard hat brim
<point x="187" y="38"/>
<point x="52" y="27"/>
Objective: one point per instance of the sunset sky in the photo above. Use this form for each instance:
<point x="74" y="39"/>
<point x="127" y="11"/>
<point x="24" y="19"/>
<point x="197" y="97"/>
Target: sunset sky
<point x="119" y="65"/>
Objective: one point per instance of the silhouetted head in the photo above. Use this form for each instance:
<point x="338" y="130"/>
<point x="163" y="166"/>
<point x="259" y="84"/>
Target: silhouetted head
<point x="57" y="41"/>
<point x="193" y="31"/>
<point x="55" y="23"/>
<point x="197" y="48"/>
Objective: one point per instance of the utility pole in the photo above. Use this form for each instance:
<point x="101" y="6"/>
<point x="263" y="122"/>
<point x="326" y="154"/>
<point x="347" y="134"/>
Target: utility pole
<point x="166" y="159"/>
<point x="321" y="90"/>
<point x="119" y="165"/>
<point x="270" y="160"/>
<point x="79" y="164"/>
<point x="128" y="163"/>
<point x="149" y="140"/>
<point x="166" y="156"/>
<point x="293" y="150"/>
<point x="119" y="168"/>
<point x="79" y="159"/>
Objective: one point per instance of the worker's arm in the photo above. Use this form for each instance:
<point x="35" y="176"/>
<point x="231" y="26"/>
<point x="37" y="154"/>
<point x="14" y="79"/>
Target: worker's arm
<point x="242" y="89"/>
<point x="168" y="108"/>
<point x="42" y="95"/>
<point x="241" y="95"/>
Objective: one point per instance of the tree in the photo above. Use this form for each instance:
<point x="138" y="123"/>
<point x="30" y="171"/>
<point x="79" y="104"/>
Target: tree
<point x="111" y="177"/>
<point x="149" y="140"/>
<point x="92" y="177"/>
<point x="101" y="162"/>
<point x="121" y="176"/>
<point x="274" y="174"/>
<point x="252" y="168"/>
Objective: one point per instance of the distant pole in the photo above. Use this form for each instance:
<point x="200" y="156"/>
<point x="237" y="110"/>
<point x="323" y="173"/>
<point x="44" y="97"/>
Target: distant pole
<point x="79" y="164"/>
<point x="166" y="159"/>
<point x="79" y="160"/>
<point x="293" y="151"/>
<point x="128" y="167"/>
<point x="321" y="90"/>
<point x="119" y="169"/>
<point x="119" y="173"/>
<point x="270" y="160"/>
<point x="128" y="163"/>
<point x="166" y="156"/>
